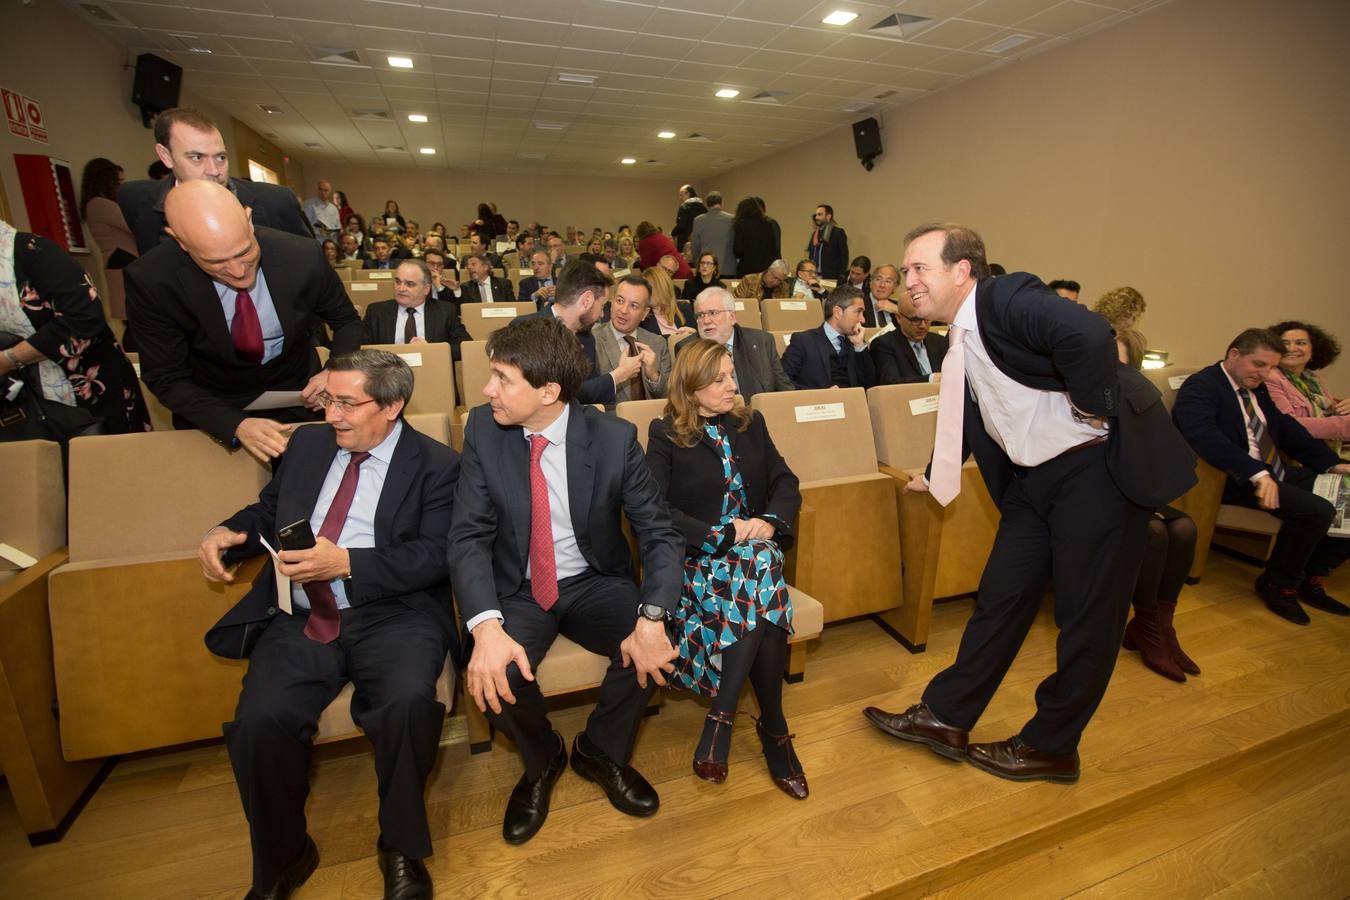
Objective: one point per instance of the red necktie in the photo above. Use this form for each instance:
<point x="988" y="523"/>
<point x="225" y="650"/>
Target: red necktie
<point x="245" y="331"/>
<point x="639" y="389"/>
<point x="543" y="567"/>
<point x="324" y="623"/>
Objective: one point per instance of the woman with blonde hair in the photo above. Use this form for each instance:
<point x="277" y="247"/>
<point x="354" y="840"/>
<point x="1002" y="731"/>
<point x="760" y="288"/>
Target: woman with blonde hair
<point x="1122" y="307"/>
<point x="734" y="498"/>
<point x="628" y="257"/>
<point x="669" y="315"/>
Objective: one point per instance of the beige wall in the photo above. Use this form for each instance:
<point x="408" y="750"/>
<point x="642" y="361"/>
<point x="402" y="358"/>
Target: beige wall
<point x="452" y="195"/>
<point x="1198" y="153"/>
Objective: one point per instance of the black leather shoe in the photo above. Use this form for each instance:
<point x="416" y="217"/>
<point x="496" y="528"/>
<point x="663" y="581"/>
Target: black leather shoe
<point x="1313" y="592"/>
<point x="528" y="807"/>
<point x="625" y="787"/>
<point x="1283" y="602"/>
<point x="918" y="724"/>
<point x="294" y="875"/>
<point x="405" y="878"/>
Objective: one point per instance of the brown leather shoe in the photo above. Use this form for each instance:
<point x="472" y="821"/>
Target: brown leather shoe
<point x="918" y="724"/>
<point x="1016" y="760"/>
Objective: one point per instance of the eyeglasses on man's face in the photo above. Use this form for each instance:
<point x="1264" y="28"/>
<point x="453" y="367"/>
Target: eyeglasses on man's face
<point x="709" y="314"/>
<point x="345" y="407"/>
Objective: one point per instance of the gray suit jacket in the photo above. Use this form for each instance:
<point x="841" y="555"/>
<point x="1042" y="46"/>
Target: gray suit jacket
<point x="712" y="234"/>
<point x="758" y="366"/>
<point x="608" y="354"/>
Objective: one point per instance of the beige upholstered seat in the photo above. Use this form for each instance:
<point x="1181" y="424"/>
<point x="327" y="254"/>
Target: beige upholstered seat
<point x="363" y="291"/>
<point x="748" y="314"/>
<point x="473" y="354"/>
<point x="481" y="319"/>
<point x="791" y="315"/>
<point x="433" y="375"/>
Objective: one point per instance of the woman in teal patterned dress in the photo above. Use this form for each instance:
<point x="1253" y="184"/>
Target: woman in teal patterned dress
<point x="735" y="499"/>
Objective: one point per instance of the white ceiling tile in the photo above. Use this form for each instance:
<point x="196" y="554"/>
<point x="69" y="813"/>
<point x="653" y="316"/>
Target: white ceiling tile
<point x="1007" y="12"/>
<point x="806" y="40"/>
<point x="725" y="54"/>
<point x="962" y="63"/>
<point x="744" y="32"/>
<point x="445" y="65"/>
<point x="956" y="34"/>
<point x="677" y="23"/>
<point x="1068" y="18"/>
<point x="660" y="47"/>
<point x="581" y="37"/>
<point x="610" y="14"/>
<point x="707" y="6"/>
<point x="888" y="51"/>
<point x="775" y="61"/>
<point x="166" y="18"/>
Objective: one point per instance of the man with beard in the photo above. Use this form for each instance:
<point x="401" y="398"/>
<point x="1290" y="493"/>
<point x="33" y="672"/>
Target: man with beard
<point x="579" y="303"/>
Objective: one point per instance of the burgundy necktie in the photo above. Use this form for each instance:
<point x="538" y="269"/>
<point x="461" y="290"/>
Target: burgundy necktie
<point x="639" y="389"/>
<point x="245" y="330"/>
<point x="410" y="326"/>
<point x="324" y="622"/>
<point x="543" y="567"/>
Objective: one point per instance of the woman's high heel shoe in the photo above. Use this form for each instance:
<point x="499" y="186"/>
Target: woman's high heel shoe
<point x="794" y="783"/>
<point x="711" y="769"/>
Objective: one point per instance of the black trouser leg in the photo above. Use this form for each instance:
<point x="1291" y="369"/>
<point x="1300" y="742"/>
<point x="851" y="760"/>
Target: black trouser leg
<point x="526" y="720"/>
<point x="1302" y="546"/>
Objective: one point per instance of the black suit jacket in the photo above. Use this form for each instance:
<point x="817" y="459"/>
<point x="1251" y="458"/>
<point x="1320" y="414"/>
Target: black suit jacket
<point x="606" y="477"/>
<point x="693" y="485"/>
<point x="501" y="291"/>
<point x="894" y="359"/>
<point x="807" y="362"/>
<point x="412" y="518"/>
<point x="441" y="324"/>
<point x="273" y="206"/>
<point x="599" y="387"/>
<point x="755" y="356"/>
<point x="187" y="358"/>
<point x="1208" y="414"/>
<point x="1043" y="341"/>
<point x="373" y="263"/>
<point x="834" y="255"/>
<point x="527" y="288"/>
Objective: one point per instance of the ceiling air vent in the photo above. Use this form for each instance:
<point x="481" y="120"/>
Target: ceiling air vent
<point x="312" y="145"/>
<point x="390" y="147"/>
<point x="269" y="109"/>
<point x="336" y="56"/>
<point x="903" y="26"/>
<point x="1009" y="42"/>
<point x="698" y="138"/>
<point x="770" y="98"/>
<point x="371" y="115"/>
<point x="884" y="94"/>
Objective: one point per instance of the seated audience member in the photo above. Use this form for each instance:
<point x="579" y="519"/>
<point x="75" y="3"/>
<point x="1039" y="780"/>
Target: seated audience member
<point x="49" y="304"/>
<point x="217" y="327"/>
<point x="1298" y="391"/>
<point x="771" y="284"/>
<point x="1226" y="414"/>
<point x="598" y="261"/>
<point x="668" y="315"/>
<point x="575" y="577"/>
<point x="611" y="253"/>
<point x="409" y="318"/>
<point x="859" y="275"/>
<point x="404" y="246"/>
<point x="432" y="241"/>
<point x="995" y="270"/>
<point x="909" y="353"/>
<point x="540" y="287"/>
<point x="369" y="604"/>
<point x="882" y="310"/>
<point x="673" y="266"/>
<point x="623" y="337"/>
<point x="330" y="252"/>
<point x="1166" y="565"/>
<point x="442" y="285"/>
<point x="596" y="246"/>
<point x="381" y="254"/>
<point x="1122" y="307"/>
<point x="835" y="354"/>
<point x="807" y="283"/>
<point x="652" y="244"/>
<point x="735" y="500"/>
<point x="524" y="249"/>
<point x="512" y="229"/>
<point x="482" y="286"/>
<point x="1065" y="288"/>
<point x="478" y="246"/>
<point x="708" y="275"/>
<point x="557" y="253"/>
<point x="190" y="145"/>
<point x="579" y="303"/>
<point x="628" y="258"/>
<point x="354" y="224"/>
<point x="754" y="354"/>
<point x="350" y="248"/>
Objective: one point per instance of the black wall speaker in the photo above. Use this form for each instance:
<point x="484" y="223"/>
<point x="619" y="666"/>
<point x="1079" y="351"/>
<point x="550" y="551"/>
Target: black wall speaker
<point x="156" y="86"/>
<point x="867" y="140"/>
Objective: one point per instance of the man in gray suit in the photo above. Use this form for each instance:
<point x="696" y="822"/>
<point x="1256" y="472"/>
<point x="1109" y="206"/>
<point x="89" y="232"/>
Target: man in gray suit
<point x="622" y="336"/>
<point x="712" y="234"/>
<point x="753" y="352"/>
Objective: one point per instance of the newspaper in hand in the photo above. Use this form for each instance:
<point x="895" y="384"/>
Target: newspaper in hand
<point x="1335" y="489"/>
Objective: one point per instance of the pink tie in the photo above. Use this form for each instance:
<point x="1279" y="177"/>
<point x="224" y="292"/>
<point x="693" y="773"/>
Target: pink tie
<point x="543" y="567"/>
<point x="945" y="482"/>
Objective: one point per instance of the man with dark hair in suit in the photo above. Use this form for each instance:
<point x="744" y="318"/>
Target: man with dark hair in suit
<point x="1226" y="414"/>
<point x="1077" y="451"/>
<point x="409" y="318"/>
<point x="224" y="313"/>
<point x="434" y="260"/>
<point x="369" y="603"/>
<point x="538" y="550"/>
<point x="540" y="287"/>
<point x="1065" y="288"/>
<point x="882" y="303"/>
<point x="189" y="144"/>
<point x="381" y="254"/>
<point x="753" y="352"/>
<point x="909" y="353"/>
<point x="623" y="335"/>
<point x="828" y="247"/>
<point x="481" y="286"/>
<point x="835" y="354"/>
<point x="579" y="303"/>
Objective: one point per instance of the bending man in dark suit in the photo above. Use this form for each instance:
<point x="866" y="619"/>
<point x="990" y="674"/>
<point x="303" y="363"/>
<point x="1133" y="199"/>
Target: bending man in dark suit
<point x="536" y="550"/>
<point x="835" y="354"/>
<point x="1077" y="450"/>
<point x="1215" y="412"/>
<point x="370" y="605"/>
<point x="409" y="318"/>
<point x="909" y="353"/>
<point x="190" y="145"/>
<point x="753" y="352"/>
<point x="579" y="303"/>
<point x="225" y="312"/>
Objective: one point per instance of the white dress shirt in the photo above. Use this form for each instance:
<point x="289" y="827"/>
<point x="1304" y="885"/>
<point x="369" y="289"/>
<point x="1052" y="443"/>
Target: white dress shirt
<point x="1032" y="426"/>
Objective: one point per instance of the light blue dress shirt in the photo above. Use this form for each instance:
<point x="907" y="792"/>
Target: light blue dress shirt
<point x="921" y="354"/>
<point x="273" y="337"/>
<point x="834" y="338"/>
<point x="359" y="530"/>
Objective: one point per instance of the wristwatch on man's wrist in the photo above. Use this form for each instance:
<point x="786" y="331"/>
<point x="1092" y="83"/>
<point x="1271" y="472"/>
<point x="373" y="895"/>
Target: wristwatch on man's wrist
<point x="651" y="612"/>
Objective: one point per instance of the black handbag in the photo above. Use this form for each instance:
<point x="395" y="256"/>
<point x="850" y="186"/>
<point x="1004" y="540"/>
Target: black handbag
<point x="26" y="415"/>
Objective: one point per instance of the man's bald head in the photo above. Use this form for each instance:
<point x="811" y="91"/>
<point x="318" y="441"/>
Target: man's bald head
<point x="215" y="230"/>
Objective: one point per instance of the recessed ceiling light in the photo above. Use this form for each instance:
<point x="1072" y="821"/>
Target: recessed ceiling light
<point x="428" y="151"/>
<point x="665" y="135"/>
<point x="417" y="117"/>
<point x="839" y="17"/>
<point x="628" y="161"/>
<point x="400" y="62"/>
<point x="728" y="93"/>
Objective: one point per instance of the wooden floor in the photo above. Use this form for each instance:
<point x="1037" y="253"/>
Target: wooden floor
<point x="1233" y="784"/>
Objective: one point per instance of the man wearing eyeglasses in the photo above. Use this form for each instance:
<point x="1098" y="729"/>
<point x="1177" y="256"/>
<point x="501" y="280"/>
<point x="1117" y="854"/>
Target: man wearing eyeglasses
<point x="753" y="352"/>
<point x="910" y="353"/>
<point x="881" y="304"/>
<point x="368" y="602"/>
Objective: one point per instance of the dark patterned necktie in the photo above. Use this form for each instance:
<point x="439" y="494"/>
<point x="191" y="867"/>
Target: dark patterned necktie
<point x="1264" y="442"/>
<point x="639" y="389"/>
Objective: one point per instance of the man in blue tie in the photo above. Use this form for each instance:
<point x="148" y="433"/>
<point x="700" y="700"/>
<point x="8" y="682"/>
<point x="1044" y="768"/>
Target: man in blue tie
<point x="835" y="354"/>
<point x="538" y="289"/>
<point x="911" y="353"/>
